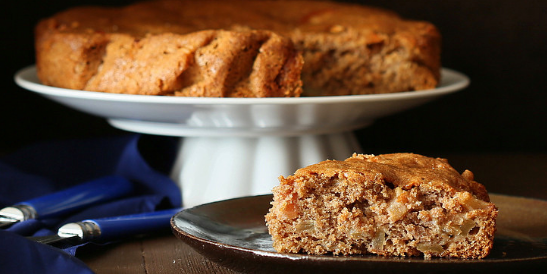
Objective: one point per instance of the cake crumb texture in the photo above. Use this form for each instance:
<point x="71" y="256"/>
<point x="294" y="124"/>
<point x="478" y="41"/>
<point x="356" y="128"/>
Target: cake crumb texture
<point x="400" y="204"/>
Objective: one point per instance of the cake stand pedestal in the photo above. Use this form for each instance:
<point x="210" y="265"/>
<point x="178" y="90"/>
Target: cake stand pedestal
<point x="217" y="168"/>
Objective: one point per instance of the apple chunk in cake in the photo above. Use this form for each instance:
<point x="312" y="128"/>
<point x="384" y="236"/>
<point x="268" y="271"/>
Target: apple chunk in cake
<point x="399" y="204"/>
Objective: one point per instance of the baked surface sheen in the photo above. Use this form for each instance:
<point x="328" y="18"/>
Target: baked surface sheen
<point x="219" y="49"/>
<point x="393" y="204"/>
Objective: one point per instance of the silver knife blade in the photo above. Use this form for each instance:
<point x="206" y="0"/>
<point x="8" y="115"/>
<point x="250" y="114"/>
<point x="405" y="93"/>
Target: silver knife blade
<point x="5" y="224"/>
<point x="70" y="234"/>
<point x="56" y="240"/>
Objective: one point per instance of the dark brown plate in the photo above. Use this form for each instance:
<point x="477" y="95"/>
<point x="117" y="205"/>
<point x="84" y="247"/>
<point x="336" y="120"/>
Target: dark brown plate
<point x="232" y="233"/>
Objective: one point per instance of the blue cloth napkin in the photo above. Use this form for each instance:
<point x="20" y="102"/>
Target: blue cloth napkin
<point x="52" y="166"/>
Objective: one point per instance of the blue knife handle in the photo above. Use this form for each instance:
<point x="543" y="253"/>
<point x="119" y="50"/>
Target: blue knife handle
<point x="123" y="226"/>
<point x="80" y="196"/>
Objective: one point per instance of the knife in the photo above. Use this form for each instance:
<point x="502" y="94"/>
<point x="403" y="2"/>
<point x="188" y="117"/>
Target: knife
<point x="66" y="201"/>
<point x="108" y="229"/>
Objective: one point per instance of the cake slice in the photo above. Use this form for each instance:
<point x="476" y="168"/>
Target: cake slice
<point x="393" y="205"/>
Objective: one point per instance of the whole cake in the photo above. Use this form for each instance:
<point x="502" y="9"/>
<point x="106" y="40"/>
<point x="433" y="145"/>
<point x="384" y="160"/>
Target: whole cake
<point x="393" y="204"/>
<point x="237" y="49"/>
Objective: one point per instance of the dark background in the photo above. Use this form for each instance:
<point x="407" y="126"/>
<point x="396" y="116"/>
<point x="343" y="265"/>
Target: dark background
<point x="501" y="45"/>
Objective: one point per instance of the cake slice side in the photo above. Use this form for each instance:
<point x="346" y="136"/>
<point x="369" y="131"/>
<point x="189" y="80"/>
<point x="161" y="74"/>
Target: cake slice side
<point x="391" y="205"/>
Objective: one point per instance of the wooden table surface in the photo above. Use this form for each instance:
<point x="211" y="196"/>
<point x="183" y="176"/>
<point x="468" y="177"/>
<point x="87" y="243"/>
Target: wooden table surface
<point x="519" y="175"/>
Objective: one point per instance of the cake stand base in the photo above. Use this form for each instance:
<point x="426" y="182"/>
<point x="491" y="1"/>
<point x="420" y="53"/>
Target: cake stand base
<point x="210" y="169"/>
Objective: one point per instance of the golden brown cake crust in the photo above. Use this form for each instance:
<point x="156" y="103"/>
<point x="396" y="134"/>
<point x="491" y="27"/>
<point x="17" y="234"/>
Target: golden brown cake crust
<point x="405" y="170"/>
<point x="216" y="48"/>
<point x="394" y="204"/>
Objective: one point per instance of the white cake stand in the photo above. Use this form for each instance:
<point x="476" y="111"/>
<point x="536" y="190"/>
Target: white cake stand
<point x="233" y="147"/>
